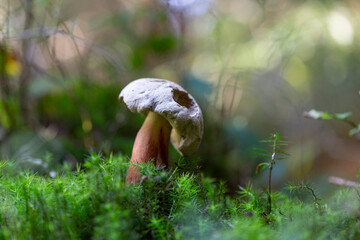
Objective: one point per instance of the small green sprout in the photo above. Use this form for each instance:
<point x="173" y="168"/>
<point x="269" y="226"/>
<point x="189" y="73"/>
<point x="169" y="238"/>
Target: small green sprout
<point x="276" y="143"/>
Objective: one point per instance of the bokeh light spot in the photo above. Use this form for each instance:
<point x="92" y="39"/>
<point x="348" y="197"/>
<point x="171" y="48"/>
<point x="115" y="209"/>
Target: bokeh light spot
<point x="340" y="28"/>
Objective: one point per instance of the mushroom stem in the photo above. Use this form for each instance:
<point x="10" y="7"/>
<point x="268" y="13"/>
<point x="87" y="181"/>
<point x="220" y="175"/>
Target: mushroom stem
<point x="151" y="143"/>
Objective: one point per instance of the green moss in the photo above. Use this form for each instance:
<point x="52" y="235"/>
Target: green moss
<point x="95" y="203"/>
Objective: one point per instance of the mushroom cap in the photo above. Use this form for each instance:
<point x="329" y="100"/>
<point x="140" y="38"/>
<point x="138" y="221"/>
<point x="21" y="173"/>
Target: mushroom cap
<point x="172" y="102"/>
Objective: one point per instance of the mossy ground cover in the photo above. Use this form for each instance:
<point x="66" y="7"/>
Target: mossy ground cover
<point x="95" y="203"/>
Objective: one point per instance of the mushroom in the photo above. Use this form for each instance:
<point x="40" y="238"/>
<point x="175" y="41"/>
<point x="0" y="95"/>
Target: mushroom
<point x="171" y="113"/>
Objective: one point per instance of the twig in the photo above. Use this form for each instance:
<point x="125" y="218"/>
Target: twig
<point x="343" y="182"/>
<point x="207" y="202"/>
<point x="45" y="32"/>
<point x="308" y="187"/>
<point x="25" y="76"/>
<point x="4" y="85"/>
<point x="351" y="123"/>
<point x="270" y="171"/>
<point x="42" y="179"/>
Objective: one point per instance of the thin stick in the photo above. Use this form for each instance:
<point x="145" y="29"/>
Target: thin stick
<point x="343" y="182"/>
<point x="207" y="202"/>
<point x="25" y="75"/>
<point x="270" y="170"/>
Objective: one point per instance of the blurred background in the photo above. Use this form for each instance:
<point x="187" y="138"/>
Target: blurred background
<point x="254" y="66"/>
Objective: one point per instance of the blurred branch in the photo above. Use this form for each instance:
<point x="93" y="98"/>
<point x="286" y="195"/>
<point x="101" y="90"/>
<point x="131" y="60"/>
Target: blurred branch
<point x="73" y="39"/>
<point x="4" y="84"/>
<point x="26" y="71"/>
<point x="48" y="32"/>
<point x="33" y="33"/>
<point x="343" y="182"/>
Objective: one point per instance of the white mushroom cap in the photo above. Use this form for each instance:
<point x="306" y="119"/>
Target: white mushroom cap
<point x="172" y="102"/>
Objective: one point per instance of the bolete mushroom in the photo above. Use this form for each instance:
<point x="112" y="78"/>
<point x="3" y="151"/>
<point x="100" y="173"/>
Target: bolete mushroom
<point x="171" y="113"/>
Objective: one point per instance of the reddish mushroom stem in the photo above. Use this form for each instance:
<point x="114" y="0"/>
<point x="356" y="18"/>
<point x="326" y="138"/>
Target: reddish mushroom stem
<point x="151" y="143"/>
